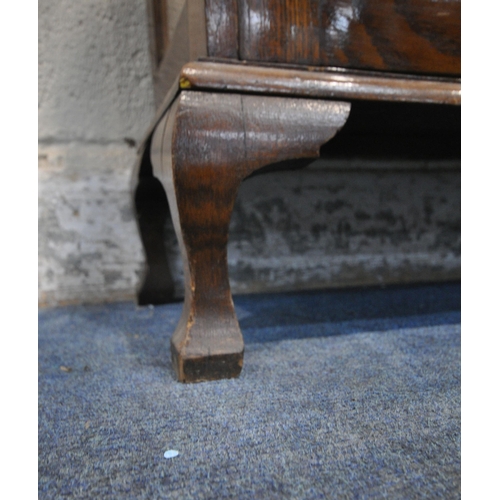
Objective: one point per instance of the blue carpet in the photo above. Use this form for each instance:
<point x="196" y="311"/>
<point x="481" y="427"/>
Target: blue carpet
<point x="343" y="394"/>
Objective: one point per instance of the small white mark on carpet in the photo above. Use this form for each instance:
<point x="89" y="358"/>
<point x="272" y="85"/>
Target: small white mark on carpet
<point x="170" y="453"/>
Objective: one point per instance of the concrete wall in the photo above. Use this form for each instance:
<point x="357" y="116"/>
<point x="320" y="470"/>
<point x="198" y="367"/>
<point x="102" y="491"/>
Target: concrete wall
<point x="324" y="226"/>
<point x="328" y="226"/>
<point x="95" y="102"/>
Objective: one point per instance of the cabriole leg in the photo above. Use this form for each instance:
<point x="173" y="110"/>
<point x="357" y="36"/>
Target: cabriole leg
<point x="201" y="151"/>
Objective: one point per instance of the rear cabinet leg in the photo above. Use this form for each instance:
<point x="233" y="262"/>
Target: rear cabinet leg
<point x="201" y="151"/>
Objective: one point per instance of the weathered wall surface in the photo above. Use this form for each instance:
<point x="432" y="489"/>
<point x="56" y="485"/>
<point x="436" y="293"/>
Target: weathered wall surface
<point x="95" y="101"/>
<point x="94" y="71"/>
<point x="331" y="227"/>
<point x="342" y="228"/>
<point x="302" y="229"/>
<point x="89" y="249"/>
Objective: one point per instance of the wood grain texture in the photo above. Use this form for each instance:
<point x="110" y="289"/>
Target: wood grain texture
<point x="416" y="36"/>
<point x="201" y="151"/>
<point x="158" y="29"/>
<point x="188" y="43"/>
<point x="222" y="28"/>
<point x="325" y="84"/>
<point x="197" y="29"/>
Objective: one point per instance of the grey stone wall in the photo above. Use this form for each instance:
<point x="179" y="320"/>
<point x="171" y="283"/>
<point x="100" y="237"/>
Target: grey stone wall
<point x="95" y="102"/>
<point x="89" y="249"/>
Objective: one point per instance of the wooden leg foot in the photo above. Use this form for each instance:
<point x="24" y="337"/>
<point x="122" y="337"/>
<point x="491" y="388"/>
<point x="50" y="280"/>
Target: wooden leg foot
<point x="207" y="343"/>
<point x="201" y="151"/>
<point x="206" y="367"/>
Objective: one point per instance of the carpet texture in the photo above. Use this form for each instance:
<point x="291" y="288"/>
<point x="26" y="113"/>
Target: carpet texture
<point x="343" y="394"/>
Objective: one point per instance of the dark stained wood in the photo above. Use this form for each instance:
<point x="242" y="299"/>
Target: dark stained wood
<point x="158" y="30"/>
<point x="222" y="28"/>
<point x="188" y="43"/>
<point x="197" y="30"/>
<point x="222" y="121"/>
<point x="164" y="78"/>
<point x="203" y="148"/>
<point x="160" y="27"/>
<point x="416" y="36"/>
<point x="326" y="84"/>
